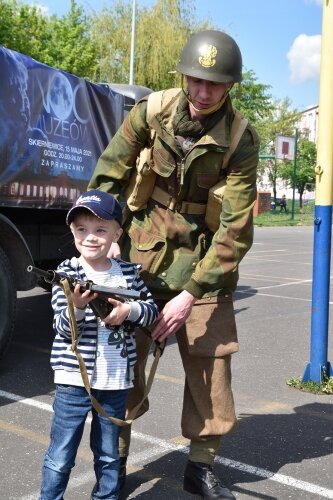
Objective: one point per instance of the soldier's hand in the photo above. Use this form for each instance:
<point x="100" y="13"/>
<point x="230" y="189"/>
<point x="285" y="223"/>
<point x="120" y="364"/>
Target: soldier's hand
<point x="114" y="251"/>
<point x="173" y="316"/>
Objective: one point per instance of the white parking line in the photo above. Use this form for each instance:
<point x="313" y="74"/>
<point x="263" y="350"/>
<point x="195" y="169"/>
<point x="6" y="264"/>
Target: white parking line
<point x="265" y="260"/>
<point x="267" y="277"/>
<point x="299" y="282"/>
<point x="279" y="478"/>
<point x="252" y="292"/>
<point x="276" y="250"/>
<point x="161" y="446"/>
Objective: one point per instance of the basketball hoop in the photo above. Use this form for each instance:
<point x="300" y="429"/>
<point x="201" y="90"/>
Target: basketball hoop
<point x="285" y="148"/>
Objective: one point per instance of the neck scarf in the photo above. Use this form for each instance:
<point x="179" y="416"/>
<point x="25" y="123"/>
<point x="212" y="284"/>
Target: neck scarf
<point x="184" y="126"/>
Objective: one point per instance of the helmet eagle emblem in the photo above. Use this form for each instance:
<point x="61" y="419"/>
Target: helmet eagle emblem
<point x="207" y="57"/>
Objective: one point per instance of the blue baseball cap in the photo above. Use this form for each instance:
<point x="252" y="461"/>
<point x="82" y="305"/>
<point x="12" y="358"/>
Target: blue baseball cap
<point x="101" y="204"/>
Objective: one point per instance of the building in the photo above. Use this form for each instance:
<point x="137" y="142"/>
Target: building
<point x="309" y="123"/>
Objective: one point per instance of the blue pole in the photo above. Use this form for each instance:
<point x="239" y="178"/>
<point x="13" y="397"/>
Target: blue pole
<point x="318" y="364"/>
<point x="323" y="209"/>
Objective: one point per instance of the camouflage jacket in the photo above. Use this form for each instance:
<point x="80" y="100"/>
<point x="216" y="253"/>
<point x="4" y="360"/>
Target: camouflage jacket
<point x="176" y="250"/>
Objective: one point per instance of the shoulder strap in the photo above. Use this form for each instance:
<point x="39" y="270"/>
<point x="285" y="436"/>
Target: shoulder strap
<point x="238" y="127"/>
<point x="154" y="104"/>
<point x="155" y="100"/>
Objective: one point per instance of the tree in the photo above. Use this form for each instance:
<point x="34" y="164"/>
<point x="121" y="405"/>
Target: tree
<point x="97" y="46"/>
<point x="252" y="99"/>
<point x="71" y="48"/>
<point x="160" y="34"/>
<point x="306" y="158"/>
<point x="64" y="42"/>
<point x="23" y="28"/>
<point x="111" y="36"/>
<point x="281" y="120"/>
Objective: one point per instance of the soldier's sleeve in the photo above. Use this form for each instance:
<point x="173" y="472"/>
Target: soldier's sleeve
<point x="115" y="164"/>
<point x="235" y="234"/>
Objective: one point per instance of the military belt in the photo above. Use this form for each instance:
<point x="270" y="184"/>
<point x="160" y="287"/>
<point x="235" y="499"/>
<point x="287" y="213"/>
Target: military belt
<point x="183" y="207"/>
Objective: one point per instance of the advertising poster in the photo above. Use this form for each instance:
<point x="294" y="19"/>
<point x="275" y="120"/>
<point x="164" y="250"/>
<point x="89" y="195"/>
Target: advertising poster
<point x="53" y="128"/>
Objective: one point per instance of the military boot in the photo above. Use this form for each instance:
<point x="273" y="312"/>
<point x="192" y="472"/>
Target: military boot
<point x="199" y="479"/>
<point x="122" y="472"/>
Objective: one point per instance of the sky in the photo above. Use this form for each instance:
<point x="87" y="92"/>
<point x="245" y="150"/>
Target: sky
<point x="279" y="39"/>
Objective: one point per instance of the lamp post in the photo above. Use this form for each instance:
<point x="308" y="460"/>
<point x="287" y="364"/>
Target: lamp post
<point x="131" y="74"/>
<point x="294" y="177"/>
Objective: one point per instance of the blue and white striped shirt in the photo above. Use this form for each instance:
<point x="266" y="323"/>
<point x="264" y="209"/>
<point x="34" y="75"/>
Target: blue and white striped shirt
<point x="91" y="331"/>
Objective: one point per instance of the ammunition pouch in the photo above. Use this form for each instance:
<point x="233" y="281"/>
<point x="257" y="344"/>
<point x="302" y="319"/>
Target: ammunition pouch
<point x="141" y="184"/>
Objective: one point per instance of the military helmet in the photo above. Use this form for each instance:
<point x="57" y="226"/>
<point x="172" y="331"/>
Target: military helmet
<point x="211" y="55"/>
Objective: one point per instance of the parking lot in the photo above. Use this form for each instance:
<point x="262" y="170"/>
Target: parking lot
<point x="282" y="447"/>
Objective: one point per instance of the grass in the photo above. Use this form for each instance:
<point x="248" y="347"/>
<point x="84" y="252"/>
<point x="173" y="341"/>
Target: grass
<point x="276" y="218"/>
<point x="326" y="387"/>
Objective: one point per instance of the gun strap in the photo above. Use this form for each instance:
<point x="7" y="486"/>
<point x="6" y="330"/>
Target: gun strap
<point x="73" y="326"/>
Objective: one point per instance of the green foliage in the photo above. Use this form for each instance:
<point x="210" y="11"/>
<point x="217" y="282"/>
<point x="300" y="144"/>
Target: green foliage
<point x="325" y="387"/>
<point x="310" y="386"/>
<point x="24" y="29"/>
<point x="61" y="42"/>
<point x="252" y="99"/>
<point x="160" y="33"/>
<point x="111" y="37"/>
<point x="304" y="177"/>
<point x="71" y="48"/>
<point x="98" y="47"/>
<point x="282" y="120"/>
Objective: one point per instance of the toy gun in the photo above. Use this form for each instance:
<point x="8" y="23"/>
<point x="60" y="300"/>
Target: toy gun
<point x="100" y="305"/>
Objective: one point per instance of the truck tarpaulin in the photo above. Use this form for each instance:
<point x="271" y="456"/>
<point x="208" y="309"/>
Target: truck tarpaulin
<point x="53" y="128"/>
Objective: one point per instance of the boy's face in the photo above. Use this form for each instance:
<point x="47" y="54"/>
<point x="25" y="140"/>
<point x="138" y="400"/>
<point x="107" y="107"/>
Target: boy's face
<point x="93" y="237"/>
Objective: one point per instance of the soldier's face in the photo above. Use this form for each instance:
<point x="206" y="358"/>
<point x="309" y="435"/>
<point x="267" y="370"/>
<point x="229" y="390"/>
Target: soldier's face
<point x="204" y="93"/>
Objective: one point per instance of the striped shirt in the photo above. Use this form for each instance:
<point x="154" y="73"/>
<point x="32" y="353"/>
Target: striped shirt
<point x="90" y="330"/>
<point x="112" y="370"/>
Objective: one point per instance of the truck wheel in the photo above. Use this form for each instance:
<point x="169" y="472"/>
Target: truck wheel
<point x="7" y="302"/>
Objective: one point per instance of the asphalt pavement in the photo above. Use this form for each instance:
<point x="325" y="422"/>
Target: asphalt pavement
<point x="282" y="447"/>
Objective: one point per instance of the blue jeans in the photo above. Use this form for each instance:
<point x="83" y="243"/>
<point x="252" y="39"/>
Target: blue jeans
<point x="71" y="407"/>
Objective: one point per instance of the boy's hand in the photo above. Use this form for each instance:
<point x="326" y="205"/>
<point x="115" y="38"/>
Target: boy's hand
<point x="118" y="314"/>
<point x="80" y="300"/>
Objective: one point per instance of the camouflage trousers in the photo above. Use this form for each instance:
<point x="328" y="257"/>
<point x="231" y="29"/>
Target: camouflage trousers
<point x="205" y="344"/>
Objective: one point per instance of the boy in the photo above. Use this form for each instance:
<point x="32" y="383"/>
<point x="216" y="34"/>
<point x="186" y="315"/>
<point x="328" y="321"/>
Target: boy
<point x="107" y="347"/>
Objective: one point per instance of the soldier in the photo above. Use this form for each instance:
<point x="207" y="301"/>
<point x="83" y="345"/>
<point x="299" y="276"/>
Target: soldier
<point x="188" y="246"/>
